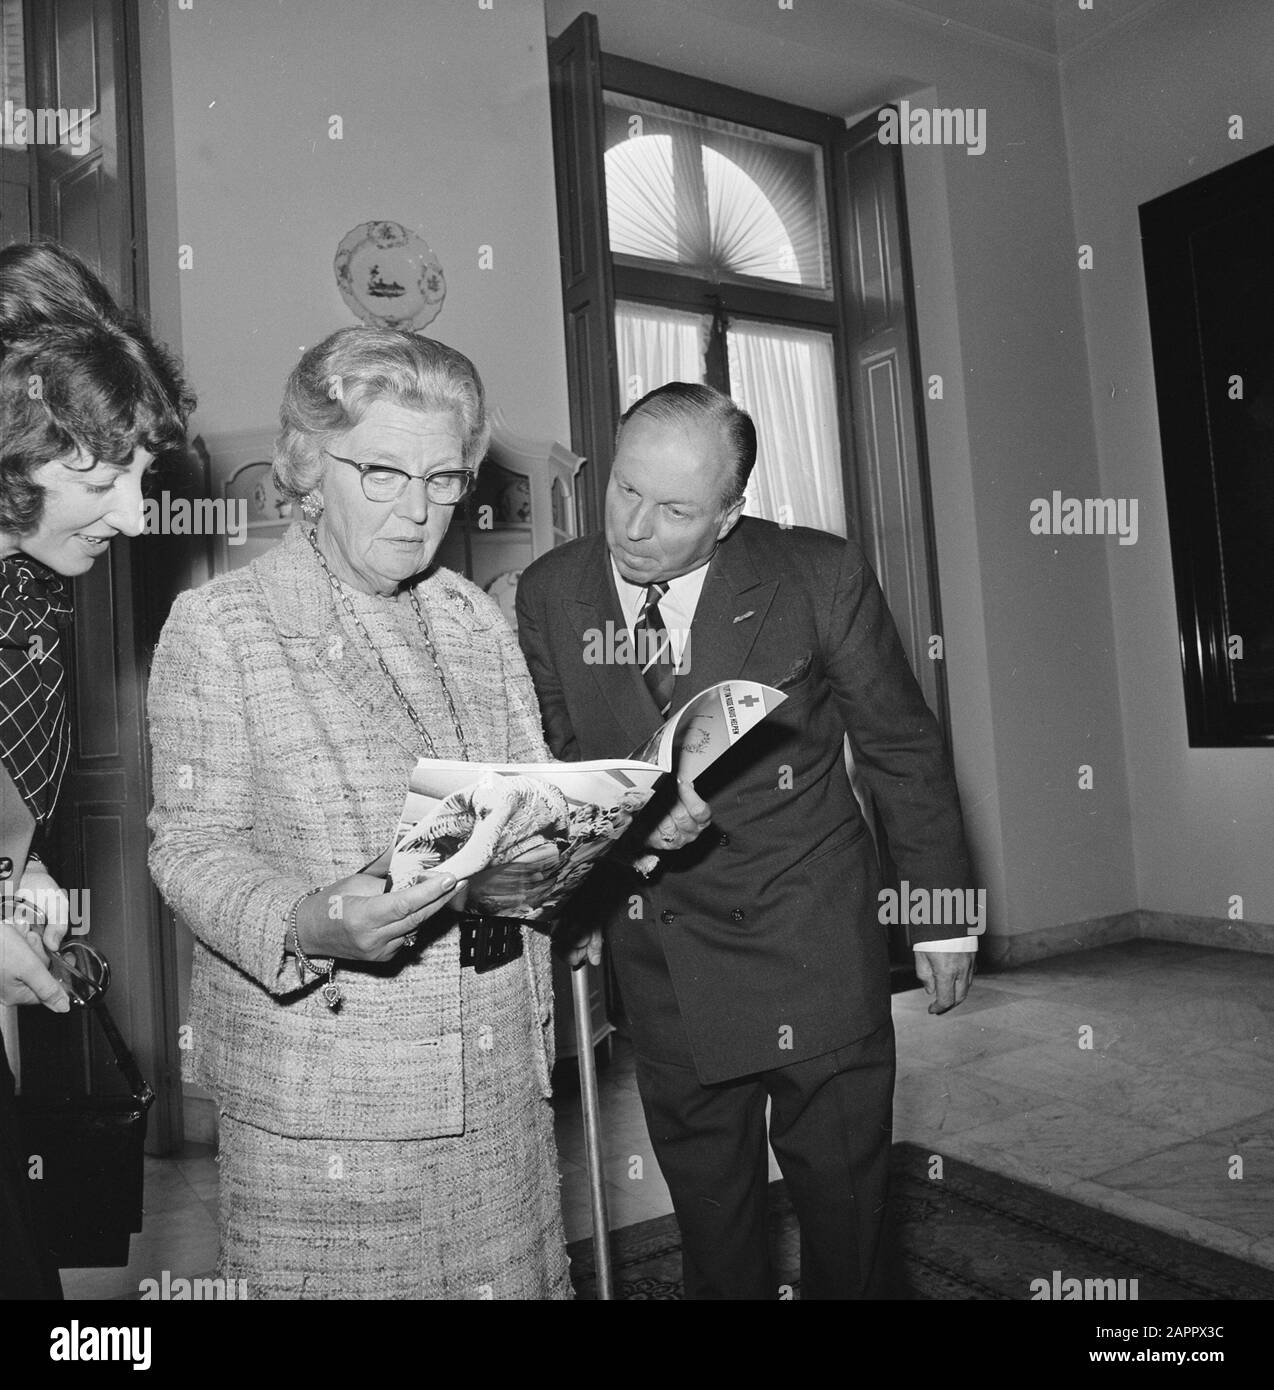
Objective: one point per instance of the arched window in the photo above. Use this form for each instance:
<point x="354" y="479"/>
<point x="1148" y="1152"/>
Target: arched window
<point x="735" y="230"/>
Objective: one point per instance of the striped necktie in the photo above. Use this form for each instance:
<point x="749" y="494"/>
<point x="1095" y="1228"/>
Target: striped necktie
<point x="654" y="648"/>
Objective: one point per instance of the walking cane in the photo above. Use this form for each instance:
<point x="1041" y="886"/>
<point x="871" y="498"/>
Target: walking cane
<point x="592" y="1131"/>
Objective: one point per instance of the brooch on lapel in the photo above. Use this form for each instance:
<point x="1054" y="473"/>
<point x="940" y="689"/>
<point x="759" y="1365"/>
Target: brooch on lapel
<point x="749" y="614"/>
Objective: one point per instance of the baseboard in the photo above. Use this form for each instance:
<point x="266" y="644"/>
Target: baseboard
<point x="1141" y="924"/>
<point x="199" y="1119"/>
<point x="1004" y="952"/>
<point x="1218" y="932"/>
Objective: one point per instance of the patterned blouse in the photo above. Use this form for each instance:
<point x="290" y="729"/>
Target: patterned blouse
<point x="34" y="734"/>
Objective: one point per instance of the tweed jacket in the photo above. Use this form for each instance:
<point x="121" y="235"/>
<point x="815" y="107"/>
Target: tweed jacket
<point x="281" y="757"/>
<point x="767" y="925"/>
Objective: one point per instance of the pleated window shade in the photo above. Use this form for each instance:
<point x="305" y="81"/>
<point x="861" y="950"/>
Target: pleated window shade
<point x="713" y="198"/>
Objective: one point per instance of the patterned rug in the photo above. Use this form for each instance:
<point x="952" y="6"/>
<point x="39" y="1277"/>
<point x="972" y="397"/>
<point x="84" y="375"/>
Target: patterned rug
<point x="971" y="1235"/>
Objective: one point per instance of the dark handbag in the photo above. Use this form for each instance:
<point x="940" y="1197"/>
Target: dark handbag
<point x="89" y="1197"/>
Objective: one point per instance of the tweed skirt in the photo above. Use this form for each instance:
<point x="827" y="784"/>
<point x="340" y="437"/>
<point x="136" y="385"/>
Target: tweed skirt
<point x="470" y="1216"/>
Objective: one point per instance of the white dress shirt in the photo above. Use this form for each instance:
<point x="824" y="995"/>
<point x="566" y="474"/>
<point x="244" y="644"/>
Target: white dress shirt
<point x="677" y="608"/>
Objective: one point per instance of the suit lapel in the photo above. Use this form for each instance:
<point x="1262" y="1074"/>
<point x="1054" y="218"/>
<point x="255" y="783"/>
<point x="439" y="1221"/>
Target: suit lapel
<point x="727" y="621"/>
<point x="590" y="610"/>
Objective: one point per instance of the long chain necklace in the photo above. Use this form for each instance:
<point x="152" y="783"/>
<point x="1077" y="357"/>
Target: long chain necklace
<point x="408" y="708"/>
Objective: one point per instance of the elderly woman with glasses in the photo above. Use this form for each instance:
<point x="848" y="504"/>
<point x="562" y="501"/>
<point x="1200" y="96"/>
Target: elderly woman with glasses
<point x="381" y="1074"/>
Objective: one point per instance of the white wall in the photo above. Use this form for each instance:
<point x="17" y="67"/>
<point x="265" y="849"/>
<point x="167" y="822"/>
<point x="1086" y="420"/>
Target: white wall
<point x="1146" y="113"/>
<point x="446" y="129"/>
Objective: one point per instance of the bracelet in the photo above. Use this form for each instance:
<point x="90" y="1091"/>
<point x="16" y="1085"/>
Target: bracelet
<point x="331" y="991"/>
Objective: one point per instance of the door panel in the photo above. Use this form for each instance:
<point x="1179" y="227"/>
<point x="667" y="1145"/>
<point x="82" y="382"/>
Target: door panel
<point x="81" y="54"/>
<point x="886" y="391"/>
<point x="895" y="524"/>
<point x="587" y="284"/>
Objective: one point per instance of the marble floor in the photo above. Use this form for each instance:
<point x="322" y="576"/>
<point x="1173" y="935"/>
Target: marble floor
<point x="1136" y="1078"/>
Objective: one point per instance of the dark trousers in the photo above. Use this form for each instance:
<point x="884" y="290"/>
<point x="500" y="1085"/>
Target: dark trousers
<point x="26" y="1268"/>
<point x="830" y="1128"/>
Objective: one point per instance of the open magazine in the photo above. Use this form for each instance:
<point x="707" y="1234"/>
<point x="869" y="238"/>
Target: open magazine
<point x="526" y="835"/>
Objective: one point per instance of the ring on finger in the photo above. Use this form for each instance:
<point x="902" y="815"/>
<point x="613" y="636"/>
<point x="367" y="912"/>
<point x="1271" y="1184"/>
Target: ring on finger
<point x="409" y="940"/>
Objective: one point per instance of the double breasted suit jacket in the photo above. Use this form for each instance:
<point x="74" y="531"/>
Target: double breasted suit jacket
<point x="767" y="928"/>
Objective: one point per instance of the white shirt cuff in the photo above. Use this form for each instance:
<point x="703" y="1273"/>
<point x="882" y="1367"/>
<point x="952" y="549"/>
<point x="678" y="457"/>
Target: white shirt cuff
<point x="952" y="944"/>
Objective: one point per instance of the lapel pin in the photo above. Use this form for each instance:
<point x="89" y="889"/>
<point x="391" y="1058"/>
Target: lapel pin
<point x="748" y="614"/>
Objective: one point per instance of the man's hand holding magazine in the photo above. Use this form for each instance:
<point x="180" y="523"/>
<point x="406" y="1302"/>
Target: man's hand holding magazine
<point x="525" y="836"/>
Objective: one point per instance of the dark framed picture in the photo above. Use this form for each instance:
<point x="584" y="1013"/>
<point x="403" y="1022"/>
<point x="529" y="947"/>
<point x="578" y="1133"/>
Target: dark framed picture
<point x="1208" y="250"/>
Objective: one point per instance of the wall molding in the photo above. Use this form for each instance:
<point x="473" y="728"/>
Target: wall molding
<point x="1107" y="30"/>
<point x="1100" y="25"/>
<point x="199" y="1119"/>
<point x="927" y="19"/>
<point x="1141" y="924"/>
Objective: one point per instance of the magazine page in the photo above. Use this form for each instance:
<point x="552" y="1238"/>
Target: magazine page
<point x="524" y="834"/>
<point x="708" y="726"/>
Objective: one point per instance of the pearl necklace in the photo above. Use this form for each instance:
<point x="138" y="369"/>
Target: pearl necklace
<point x="408" y="708"/>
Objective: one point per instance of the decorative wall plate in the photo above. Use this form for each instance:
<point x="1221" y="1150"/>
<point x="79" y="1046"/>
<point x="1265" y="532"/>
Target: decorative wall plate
<point x="389" y="276"/>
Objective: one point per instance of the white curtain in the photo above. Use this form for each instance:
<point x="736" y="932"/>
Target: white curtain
<point x="785" y="379"/>
<point x="656" y="346"/>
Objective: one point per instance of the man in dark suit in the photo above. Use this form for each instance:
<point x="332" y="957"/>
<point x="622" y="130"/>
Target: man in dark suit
<point x="753" y="964"/>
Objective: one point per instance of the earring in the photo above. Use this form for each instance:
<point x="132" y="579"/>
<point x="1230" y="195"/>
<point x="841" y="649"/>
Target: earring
<point x="312" y="506"/>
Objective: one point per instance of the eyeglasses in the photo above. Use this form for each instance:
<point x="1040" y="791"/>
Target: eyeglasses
<point x="384" y="484"/>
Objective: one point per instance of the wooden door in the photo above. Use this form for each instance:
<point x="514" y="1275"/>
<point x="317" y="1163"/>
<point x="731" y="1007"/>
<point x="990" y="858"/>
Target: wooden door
<point x="575" y="87"/>
<point x="81" y="54"/>
<point x="15" y="160"/>
<point x="890" y="457"/>
<point x="896" y="521"/>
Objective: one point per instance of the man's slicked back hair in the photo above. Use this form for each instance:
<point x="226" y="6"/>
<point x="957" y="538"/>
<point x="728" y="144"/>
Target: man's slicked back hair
<point x="689" y="403"/>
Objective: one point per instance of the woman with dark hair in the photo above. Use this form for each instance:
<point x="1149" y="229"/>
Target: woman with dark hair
<point x="42" y="283"/>
<point x="87" y="401"/>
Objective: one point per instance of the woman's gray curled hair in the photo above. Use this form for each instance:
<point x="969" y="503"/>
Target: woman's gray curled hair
<point x="334" y="384"/>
